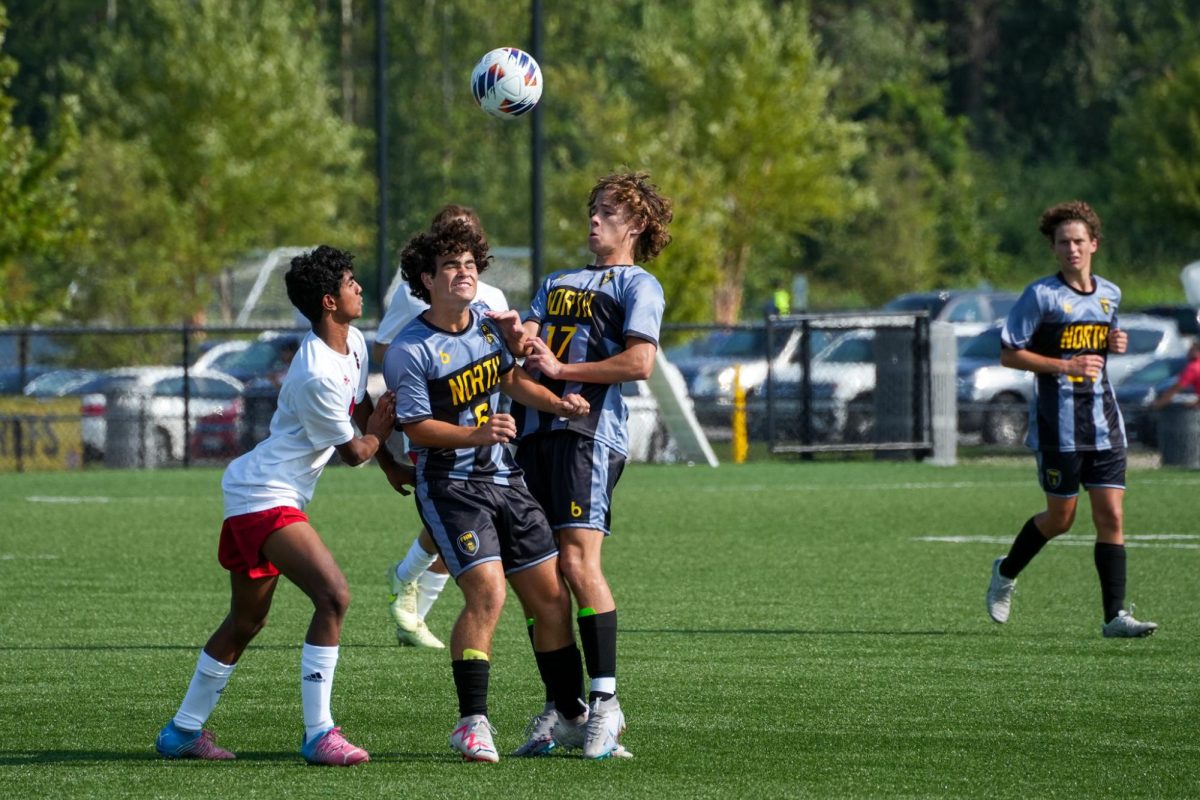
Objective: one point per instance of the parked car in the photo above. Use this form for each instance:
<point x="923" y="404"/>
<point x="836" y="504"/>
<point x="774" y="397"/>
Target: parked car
<point x="266" y="357"/>
<point x="1141" y="388"/>
<point x="60" y="382"/>
<point x="970" y="311"/>
<point x="13" y="380"/>
<point x="745" y="351"/>
<point x="1186" y="317"/>
<point x="1150" y="338"/>
<point x="152" y="399"/>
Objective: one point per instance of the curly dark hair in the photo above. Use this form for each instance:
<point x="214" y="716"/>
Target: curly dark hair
<point x="315" y="274"/>
<point x="1073" y="211"/>
<point x="421" y="253"/>
<point x="642" y="198"/>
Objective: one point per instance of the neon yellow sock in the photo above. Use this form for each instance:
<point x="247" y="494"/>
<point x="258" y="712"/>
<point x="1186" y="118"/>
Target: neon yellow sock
<point x="474" y="655"/>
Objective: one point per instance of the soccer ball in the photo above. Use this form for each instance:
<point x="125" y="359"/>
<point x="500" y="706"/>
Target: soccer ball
<point x="507" y="82"/>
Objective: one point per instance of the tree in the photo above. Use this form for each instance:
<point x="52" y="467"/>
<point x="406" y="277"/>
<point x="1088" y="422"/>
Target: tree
<point x="39" y="223"/>
<point x="1156" y="142"/>
<point x="211" y="132"/>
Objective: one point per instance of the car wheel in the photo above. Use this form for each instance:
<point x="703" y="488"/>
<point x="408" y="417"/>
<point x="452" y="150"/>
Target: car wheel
<point x="1005" y="421"/>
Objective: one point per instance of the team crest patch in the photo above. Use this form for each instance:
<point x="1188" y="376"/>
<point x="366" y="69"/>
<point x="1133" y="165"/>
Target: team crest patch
<point x="1067" y="307"/>
<point x="608" y="276"/>
<point x="445" y="357"/>
<point x="468" y="543"/>
<point x="1053" y="478"/>
<point x="487" y="333"/>
<point x="1105" y="306"/>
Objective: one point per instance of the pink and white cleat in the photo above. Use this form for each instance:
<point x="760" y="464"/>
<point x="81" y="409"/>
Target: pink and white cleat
<point x="332" y="749"/>
<point x="472" y="737"/>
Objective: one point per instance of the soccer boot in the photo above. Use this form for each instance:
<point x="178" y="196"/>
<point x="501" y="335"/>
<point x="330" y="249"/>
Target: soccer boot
<point x="421" y="637"/>
<point x="999" y="593"/>
<point x="403" y="603"/>
<point x="1124" y="626"/>
<point x="332" y="749"/>
<point x="539" y="734"/>
<point x="606" y="723"/>
<point x="174" y="742"/>
<point x="569" y="734"/>
<point x="472" y="737"/>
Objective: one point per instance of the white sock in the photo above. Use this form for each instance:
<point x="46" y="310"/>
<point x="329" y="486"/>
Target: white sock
<point x="316" y="686"/>
<point x="208" y="681"/>
<point x="429" y="586"/>
<point x="415" y="562"/>
<point x="606" y="685"/>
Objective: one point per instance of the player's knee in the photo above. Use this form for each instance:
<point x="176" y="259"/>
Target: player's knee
<point x="246" y="628"/>
<point x="1057" y="524"/>
<point x="333" y="599"/>
<point x="574" y="567"/>
<point x="1108" y="521"/>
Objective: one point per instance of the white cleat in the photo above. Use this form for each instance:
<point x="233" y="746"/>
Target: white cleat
<point x="606" y="723"/>
<point x="472" y="737"/>
<point x="1124" y="626"/>
<point x="999" y="593"/>
<point x="422" y="637"/>
<point x="539" y="734"/>
<point x="569" y="734"/>
<point x="403" y="602"/>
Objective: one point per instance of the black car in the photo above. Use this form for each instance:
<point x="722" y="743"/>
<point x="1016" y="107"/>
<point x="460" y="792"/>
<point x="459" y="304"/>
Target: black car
<point x="1186" y="317"/>
<point x="1139" y="390"/>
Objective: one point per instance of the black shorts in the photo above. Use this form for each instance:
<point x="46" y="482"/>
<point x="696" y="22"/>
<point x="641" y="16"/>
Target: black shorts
<point x="476" y="521"/>
<point x="1061" y="474"/>
<point x="573" y="477"/>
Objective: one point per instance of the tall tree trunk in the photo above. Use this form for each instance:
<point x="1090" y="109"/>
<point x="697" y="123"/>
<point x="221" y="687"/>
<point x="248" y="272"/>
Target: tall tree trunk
<point x="727" y="297"/>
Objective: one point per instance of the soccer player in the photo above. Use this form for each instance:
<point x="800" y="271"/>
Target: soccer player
<point x="266" y="532"/>
<point x="447" y="368"/>
<point x="417" y="580"/>
<point x="1062" y="329"/>
<point x="588" y="331"/>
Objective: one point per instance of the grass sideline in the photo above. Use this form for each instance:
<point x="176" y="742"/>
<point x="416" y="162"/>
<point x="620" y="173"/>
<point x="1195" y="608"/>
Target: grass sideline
<point x="785" y="632"/>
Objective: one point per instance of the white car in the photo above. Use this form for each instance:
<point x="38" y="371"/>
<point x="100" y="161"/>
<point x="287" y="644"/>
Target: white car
<point x="135" y="415"/>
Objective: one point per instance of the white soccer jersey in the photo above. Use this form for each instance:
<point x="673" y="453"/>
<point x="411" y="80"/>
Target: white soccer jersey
<point x="315" y="406"/>
<point x="404" y="308"/>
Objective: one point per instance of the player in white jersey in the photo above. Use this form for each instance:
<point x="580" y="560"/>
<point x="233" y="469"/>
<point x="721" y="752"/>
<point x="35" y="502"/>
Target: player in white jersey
<point x="416" y="581"/>
<point x="588" y="331"/>
<point x="266" y="532"/>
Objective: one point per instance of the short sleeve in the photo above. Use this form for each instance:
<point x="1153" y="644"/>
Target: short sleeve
<point x="406" y="374"/>
<point x="403" y="309"/>
<point x="1023" y="319"/>
<point x="537" y="306"/>
<point x="323" y="413"/>
<point x="645" y="306"/>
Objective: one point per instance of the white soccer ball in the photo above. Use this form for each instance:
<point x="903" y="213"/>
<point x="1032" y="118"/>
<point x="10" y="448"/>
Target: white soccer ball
<point x="507" y="82"/>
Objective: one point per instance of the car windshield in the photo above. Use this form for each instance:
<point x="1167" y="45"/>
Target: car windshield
<point x="1001" y="305"/>
<point x="850" y="350"/>
<point x="984" y="346"/>
<point x="1142" y="340"/>
<point x="259" y="357"/>
<point x="748" y="344"/>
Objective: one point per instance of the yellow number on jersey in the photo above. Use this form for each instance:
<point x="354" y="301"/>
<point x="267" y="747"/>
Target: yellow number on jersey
<point x="568" y="332"/>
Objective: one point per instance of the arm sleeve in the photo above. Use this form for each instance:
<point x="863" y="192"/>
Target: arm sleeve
<point x="537" y="306"/>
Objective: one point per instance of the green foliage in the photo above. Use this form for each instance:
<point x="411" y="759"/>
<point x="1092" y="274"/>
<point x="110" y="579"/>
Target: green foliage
<point x="210" y="133"/>
<point x="39" y="223"/>
<point x="1157" y="143"/>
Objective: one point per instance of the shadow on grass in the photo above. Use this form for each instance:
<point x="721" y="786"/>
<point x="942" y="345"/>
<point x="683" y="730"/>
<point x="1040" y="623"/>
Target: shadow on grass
<point x="795" y="632"/>
<point x="11" y="758"/>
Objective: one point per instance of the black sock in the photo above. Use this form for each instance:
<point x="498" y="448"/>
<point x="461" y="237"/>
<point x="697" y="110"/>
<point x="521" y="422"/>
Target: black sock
<point x="1028" y="544"/>
<point x="529" y="629"/>
<point x="598" y="635"/>
<point x="1110" y="564"/>
<point x="471" y="683"/>
<point x="562" y="673"/>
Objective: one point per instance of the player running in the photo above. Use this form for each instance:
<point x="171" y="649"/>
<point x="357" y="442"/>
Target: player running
<point x="266" y="532"/>
<point x="588" y="331"/>
<point x="447" y="368"/>
<point x="1062" y="329"/>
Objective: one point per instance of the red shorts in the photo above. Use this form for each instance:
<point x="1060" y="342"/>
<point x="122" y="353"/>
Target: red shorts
<point x="242" y="537"/>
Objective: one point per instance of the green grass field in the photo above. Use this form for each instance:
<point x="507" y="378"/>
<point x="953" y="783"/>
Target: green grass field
<point x="787" y="630"/>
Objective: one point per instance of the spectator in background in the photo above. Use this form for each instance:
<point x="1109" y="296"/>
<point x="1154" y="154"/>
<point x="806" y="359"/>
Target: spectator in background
<point x="1188" y="379"/>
